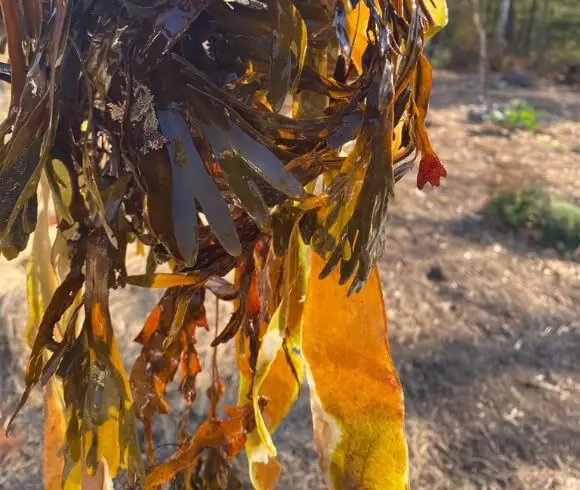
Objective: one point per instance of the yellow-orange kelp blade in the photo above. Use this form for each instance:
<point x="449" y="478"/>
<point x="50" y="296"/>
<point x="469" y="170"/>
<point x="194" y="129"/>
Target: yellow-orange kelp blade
<point x="356" y="395"/>
<point x="357" y="20"/>
<point x="437" y="10"/>
<point x="278" y="372"/>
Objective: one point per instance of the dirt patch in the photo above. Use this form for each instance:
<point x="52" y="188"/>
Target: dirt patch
<point x="487" y="346"/>
<point x="485" y="328"/>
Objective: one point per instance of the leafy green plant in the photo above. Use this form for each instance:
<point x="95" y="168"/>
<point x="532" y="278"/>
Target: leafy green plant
<point x="518" y="114"/>
<point x="557" y="220"/>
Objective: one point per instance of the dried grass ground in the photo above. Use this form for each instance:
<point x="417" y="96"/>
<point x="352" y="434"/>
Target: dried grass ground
<point x="485" y="327"/>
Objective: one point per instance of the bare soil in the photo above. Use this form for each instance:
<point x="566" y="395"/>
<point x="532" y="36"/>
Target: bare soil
<point x="484" y="325"/>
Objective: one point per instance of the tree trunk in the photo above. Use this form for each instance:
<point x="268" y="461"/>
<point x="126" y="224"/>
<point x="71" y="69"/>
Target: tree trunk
<point x="499" y="44"/>
<point x="512" y="21"/>
<point x="502" y="22"/>
<point x="543" y="37"/>
<point x="479" y="23"/>
<point x="527" y="37"/>
<point x="464" y="39"/>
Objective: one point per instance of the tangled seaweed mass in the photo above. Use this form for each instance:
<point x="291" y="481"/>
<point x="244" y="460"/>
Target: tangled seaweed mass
<point x="167" y="125"/>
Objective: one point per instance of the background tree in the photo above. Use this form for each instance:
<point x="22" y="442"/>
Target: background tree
<point x="500" y="43"/>
<point x="479" y="12"/>
<point x="539" y="34"/>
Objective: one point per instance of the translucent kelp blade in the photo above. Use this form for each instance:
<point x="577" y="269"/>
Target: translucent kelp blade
<point x="20" y="177"/>
<point x="356" y="395"/>
<point x="164" y="280"/>
<point x="41" y="281"/>
<point x="168" y="338"/>
<point x="357" y="20"/>
<point x="431" y="170"/>
<point x="437" y="13"/>
<point x="237" y="139"/>
<point x="108" y="427"/>
<point x="191" y="182"/>
<point x="34" y="118"/>
<point x="62" y="299"/>
<point x="13" y="22"/>
<point x="101" y="480"/>
<point x="54" y="435"/>
<point x="228" y="434"/>
<point x="288" y="51"/>
<point x="279" y="367"/>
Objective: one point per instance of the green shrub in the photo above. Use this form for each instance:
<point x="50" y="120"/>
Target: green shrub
<point x="517" y="115"/>
<point x="557" y="220"/>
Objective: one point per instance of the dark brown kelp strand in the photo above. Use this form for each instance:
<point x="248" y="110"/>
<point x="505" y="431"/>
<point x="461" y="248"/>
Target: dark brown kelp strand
<point x="13" y="24"/>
